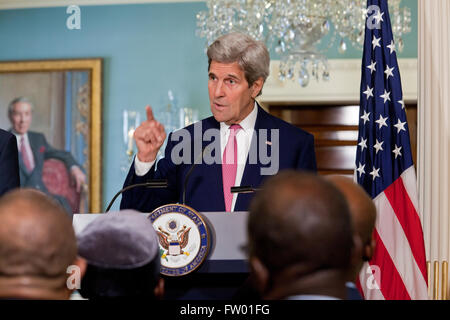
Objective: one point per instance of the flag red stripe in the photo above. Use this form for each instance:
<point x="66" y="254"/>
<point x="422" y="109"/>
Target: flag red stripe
<point x="409" y="220"/>
<point x="391" y="283"/>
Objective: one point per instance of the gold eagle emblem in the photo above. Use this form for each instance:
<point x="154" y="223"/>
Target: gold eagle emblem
<point x="174" y="243"/>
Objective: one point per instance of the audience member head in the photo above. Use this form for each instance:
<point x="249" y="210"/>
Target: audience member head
<point x="37" y="245"/>
<point x="363" y="213"/>
<point x="300" y="237"/>
<point x="122" y="252"/>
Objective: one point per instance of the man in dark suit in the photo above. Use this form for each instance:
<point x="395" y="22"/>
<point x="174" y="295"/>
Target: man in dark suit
<point x="240" y="145"/>
<point x="9" y="163"/>
<point x="34" y="149"/>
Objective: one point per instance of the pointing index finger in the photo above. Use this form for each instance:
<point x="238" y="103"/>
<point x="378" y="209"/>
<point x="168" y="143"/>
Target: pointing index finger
<point x="149" y="112"/>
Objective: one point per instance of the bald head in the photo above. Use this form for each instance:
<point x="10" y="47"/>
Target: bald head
<point x="362" y="208"/>
<point x="37" y="241"/>
<point x="300" y="218"/>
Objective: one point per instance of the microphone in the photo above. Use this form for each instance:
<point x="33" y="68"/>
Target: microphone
<point x="244" y="189"/>
<point x="186" y="179"/>
<point x="155" y="183"/>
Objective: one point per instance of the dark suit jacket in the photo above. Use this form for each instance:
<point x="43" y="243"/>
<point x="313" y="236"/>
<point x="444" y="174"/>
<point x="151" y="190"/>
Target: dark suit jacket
<point x="352" y="292"/>
<point x="41" y="151"/>
<point x="204" y="191"/>
<point x="9" y="163"/>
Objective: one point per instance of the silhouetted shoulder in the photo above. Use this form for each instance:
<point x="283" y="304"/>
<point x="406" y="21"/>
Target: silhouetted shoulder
<point x="5" y="136"/>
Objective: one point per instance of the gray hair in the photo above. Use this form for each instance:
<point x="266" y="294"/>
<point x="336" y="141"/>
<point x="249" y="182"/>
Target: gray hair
<point x="17" y="100"/>
<point x="251" y="55"/>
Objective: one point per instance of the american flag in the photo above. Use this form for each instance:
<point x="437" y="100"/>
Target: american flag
<point x="385" y="169"/>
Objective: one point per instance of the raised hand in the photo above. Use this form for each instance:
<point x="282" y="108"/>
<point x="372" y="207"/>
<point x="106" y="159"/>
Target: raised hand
<point x="149" y="137"/>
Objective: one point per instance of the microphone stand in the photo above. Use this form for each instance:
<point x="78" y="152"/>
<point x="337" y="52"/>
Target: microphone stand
<point x="156" y="183"/>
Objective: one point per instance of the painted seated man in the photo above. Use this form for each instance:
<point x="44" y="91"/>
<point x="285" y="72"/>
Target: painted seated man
<point x="34" y="150"/>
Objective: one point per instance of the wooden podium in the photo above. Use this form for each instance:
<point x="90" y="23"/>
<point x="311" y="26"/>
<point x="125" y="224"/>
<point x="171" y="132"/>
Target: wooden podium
<point x="225" y="268"/>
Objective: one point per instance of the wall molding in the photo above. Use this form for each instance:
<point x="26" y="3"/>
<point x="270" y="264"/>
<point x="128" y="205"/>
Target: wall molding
<point x="20" y="4"/>
<point x="343" y="86"/>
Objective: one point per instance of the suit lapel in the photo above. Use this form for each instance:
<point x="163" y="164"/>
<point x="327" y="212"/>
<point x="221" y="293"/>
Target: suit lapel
<point x="34" y="148"/>
<point x="252" y="172"/>
<point x="22" y="167"/>
<point x="213" y="172"/>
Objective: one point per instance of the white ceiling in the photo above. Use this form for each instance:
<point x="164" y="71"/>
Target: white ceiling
<point x="16" y="4"/>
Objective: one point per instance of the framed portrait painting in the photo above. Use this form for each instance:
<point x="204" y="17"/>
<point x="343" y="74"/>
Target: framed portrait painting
<point x="58" y="104"/>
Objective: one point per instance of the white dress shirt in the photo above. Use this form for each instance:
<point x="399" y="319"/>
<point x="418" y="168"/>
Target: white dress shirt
<point x="27" y="145"/>
<point x="243" y="139"/>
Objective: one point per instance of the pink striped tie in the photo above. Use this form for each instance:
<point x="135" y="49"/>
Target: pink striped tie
<point x="229" y="166"/>
<point x="25" y="155"/>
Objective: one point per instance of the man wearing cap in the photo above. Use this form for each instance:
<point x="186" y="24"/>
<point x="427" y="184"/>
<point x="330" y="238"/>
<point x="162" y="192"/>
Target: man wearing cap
<point x="122" y="252"/>
<point x="249" y="143"/>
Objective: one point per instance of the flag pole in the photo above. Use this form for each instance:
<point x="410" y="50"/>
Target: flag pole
<point x="444" y="280"/>
<point x="436" y="281"/>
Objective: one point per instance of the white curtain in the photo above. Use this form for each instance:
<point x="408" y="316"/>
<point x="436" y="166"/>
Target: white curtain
<point x="434" y="131"/>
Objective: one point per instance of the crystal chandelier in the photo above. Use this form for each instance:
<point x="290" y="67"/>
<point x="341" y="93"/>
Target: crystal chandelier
<point x="296" y="28"/>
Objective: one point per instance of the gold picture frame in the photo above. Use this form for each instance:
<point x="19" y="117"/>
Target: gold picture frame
<point x="92" y="69"/>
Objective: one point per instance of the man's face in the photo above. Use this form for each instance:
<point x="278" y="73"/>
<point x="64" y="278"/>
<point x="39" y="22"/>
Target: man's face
<point x="230" y="97"/>
<point x="21" y="117"/>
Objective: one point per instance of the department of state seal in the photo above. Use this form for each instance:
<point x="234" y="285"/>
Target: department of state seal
<point x="183" y="238"/>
